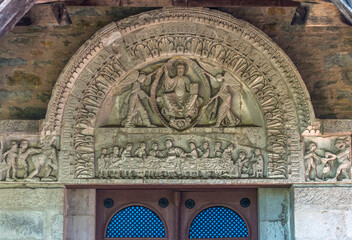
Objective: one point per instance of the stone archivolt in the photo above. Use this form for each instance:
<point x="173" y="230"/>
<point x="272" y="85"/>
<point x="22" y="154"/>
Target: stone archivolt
<point x="180" y="73"/>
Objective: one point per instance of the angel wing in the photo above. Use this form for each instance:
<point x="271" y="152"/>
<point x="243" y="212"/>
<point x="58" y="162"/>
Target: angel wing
<point x="126" y="83"/>
<point x="209" y="66"/>
<point x="232" y="81"/>
<point x="210" y="69"/>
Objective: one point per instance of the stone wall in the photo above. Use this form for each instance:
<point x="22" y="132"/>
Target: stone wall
<point x="31" y="212"/>
<point x="322" y="212"/>
<point x="274" y="206"/>
<point x="32" y="57"/>
<point x="80" y="214"/>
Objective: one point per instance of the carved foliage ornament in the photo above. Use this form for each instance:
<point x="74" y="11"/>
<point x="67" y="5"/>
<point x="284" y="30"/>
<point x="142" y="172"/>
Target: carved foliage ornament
<point x="172" y="57"/>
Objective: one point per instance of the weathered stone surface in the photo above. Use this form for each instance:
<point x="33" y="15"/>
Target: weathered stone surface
<point x="322" y="213"/>
<point x="347" y="77"/>
<point x="44" y="97"/>
<point x="20" y="78"/>
<point x="337" y="126"/>
<point x="31" y="213"/>
<point x="80" y="202"/>
<point x="274" y="213"/>
<point x="31" y="198"/>
<point x="22" y="225"/>
<point x="80" y="214"/>
<point x="343" y="60"/>
<point x="12" y="62"/>
<point x="17" y="96"/>
<point x="27" y="113"/>
<point x="11" y="126"/>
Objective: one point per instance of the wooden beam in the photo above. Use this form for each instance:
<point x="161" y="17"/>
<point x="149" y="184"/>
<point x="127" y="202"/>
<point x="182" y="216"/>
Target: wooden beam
<point x="178" y="3"/>
<point x="11" y="11"/>
<point x="240" y="3"/>
<point x="52" y="14"/>
<point x="345" y="7"/>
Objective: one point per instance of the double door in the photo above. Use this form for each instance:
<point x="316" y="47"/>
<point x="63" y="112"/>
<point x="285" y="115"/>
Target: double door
<point x="176" y="214"/>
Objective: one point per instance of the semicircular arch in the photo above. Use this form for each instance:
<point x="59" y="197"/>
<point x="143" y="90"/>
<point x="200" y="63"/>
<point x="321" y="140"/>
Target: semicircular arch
<point x="205" y="37"/>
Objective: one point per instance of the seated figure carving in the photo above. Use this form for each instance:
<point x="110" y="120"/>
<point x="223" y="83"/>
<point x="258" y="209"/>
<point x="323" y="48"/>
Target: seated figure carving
<point x="178" y="96"/>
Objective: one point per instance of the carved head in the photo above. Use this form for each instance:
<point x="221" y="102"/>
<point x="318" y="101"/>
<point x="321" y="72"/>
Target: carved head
<point x="169" y="143"/>
<point x="312" y="146"/>
<point x="14" y="145"/>
<point x="219" y="77"/>
<point x="180" y="69"/>
<point x="257" y="151"/>
<point x="24" y="145"/>
<point x="205" y="144"/>
<point x="116" y="150"/>
<point x="155" y="145"/>
<point x="218" y="145"/>
<point x="104" y="151"/>
<point x="242" y="154"/>
<point x="341" y="143"/>
<point x="143" y="145"/>
<point x="141" y="78"/>
<point x="231" y="147"/>
<point x="129" y="146"/>
<point x="192" y="145"/>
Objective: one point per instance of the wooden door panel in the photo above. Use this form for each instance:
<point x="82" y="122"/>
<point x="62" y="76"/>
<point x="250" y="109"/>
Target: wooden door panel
<point x="230" y="199"/>
<point x="145" y="198"/>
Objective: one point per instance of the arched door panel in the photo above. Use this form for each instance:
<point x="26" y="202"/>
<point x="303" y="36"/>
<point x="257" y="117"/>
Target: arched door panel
<point x="135" y="214"/>
<point x="219" y="215"/>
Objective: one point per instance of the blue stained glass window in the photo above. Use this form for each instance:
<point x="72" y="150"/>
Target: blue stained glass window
<point x="135" y="222"/>
<point x="218" y="222"/>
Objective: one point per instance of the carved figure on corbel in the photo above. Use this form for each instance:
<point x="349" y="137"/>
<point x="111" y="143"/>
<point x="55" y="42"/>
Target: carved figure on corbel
<point x="343" y="157"/>
<point x="23" y="154"/>
<point x="311" y="159"/>
<point x="333" y="163"/>
<point x="45" y="161"/>
<point x="10" y="160"/>
<point x="22" y="162"/>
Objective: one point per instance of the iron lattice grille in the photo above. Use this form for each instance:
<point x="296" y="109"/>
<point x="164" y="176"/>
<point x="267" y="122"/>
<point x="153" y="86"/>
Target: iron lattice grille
<point x="218" y="222"/>
<point x="135" y="222"/>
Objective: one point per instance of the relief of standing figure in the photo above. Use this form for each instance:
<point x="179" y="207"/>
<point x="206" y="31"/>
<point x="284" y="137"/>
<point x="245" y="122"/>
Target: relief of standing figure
<point x="10" y="158"/>
<point x="310" y="157"/>
<point x="223" y="100"/>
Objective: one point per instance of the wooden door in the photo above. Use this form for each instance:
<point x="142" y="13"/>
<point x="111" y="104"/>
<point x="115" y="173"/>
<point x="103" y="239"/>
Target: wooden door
<point x="177" y="215"/>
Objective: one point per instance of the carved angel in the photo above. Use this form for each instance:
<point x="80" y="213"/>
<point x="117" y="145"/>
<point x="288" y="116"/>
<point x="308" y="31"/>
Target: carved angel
<point x="137" y="114"/>
<point x="222" y="101"/>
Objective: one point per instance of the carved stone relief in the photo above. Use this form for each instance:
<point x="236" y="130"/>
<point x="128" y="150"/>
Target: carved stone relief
<point x="327" y="158"/>
<point x="21" y="161"/>
<point x="191" y="96"/>
<point x="130" y="154"/>
<point x="187" y="72"/>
